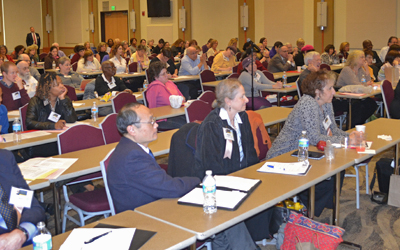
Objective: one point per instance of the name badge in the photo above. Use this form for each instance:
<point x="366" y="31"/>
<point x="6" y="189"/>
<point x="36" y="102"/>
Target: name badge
<point x="327" y="122"/>
<point x="228" y="134"/>
<point x="257" y="77"/>
<point x="21" y="198"/>
<point x="54" y="117"/>
<point x="16" y="95"/>
<point x="112" y="85"/>
<point x="67" y="76"/>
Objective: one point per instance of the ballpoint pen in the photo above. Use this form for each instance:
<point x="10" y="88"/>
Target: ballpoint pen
<point x="97" y="237"/>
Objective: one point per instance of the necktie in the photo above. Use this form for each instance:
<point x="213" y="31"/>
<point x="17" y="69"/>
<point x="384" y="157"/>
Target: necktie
<point x="7" y="211"/>
<point x="34" y="38"/>
<point x="151" y="154"/>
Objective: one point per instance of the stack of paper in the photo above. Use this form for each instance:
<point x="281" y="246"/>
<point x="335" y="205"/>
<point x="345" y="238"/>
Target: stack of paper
<point x="45" y="168"/>
<point x="29" y="135"/>
<point x="291" y="168"/>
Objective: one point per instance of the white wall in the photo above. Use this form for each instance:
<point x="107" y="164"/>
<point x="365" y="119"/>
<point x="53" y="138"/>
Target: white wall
<point x="18" y="17"/>
<point x="215" y="19"/>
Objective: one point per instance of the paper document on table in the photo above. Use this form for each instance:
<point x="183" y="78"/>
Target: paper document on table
<point x="235" y="183"/>
<point x="10" y="137"/>
<point x="117" y="238"/>
<point x="45" y="168"/>
<point x="291" y="168"/>
<point x="77" y="104"/>
<point x="225" y="199"/>
<point x="77" y="123"/>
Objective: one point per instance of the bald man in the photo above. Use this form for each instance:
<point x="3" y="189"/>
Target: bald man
<point x="30" y="83"/>
<point x="193" y="63"/>
<point x="34" y="72"/>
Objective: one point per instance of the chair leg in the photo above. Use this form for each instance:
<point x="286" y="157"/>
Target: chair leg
<point x="366" y="179"/>
<point x="41" y="197"/>
<point x="81" y="218"/>
<point x="64" y="219"/>
<point x="357" y="187"/>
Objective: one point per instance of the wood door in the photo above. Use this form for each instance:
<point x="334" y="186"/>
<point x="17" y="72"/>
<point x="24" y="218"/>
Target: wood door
<point x="114" y="25"/>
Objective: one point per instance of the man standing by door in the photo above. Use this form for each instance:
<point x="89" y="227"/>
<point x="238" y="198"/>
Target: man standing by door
<point x="33" y="38"/>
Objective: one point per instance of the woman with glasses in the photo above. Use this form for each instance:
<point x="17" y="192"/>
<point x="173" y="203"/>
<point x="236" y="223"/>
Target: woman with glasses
<point x="67" y="76"/>
<point x="158" y="93"/>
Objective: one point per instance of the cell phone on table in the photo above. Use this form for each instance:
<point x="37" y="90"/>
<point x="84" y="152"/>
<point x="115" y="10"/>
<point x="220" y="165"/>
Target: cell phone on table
<point x="311" y="155"/>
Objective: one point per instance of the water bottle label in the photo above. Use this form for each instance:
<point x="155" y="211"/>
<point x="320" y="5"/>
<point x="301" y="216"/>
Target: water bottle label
<point x="42" y="242"/>
<point x="95" y="110"/>
<point x="16" y="127"/>
<point x="209" y="189"/>
<point x="303" y="143"/>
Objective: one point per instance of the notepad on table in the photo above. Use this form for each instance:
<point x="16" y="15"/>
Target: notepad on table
<point x="290" y="168"/>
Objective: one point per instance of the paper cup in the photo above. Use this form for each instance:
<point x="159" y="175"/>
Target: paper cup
<point x="360" y="128"/>
<point x="298" y="68"/>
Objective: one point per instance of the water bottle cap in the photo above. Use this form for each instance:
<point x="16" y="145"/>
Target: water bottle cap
<point x="304" y="132"/>
<point x="209" y="172"/>
<point x="41" y="224"/>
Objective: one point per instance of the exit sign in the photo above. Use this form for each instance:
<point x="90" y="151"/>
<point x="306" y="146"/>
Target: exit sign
<point x="113" y="7"/>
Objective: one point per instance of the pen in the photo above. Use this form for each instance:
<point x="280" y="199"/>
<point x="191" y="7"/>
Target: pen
<point x="97" y="237"/>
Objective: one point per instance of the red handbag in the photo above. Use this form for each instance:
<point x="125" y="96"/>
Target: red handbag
<point x="303" y="228"/>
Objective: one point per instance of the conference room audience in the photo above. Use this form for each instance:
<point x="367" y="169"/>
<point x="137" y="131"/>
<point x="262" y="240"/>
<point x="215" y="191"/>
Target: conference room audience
<point x="106" y="82"/>
<point x="165" y="57"/>
<point x="329" y="57"/>
<point x="299" y="58"/>
<point x="260" y="82"/>
<point x="30" y="82"/>
<point x="14" y="93"/>
<point x="52" y="57"/>
<point x="355" y="69"/>
<point x="133" y="45"/>
<point x="3" y="115"/>
<point x="60" y="53"/>
<point x="158" y="93"/>
<point x="225" y="60"/>
<point x="34" y="72"/>
<point x="31" y="51"/>
<point x="310" y="114"/>
<point x="282" y="61"/>
<point x="344" y="50"/>
<point x="373" y="69"/>
<point x="367" y="45"/>
<point x="382" y="53"/>
<point x="206" y="46"/>
<point x="177" y="47"/>
<point x="67" y="76"/>
<point x="50" y="108"/>
<point x="392" y="60"/>
<point x="160" y="45"/>
<point x="18" y="50"/>
<point x="192" y="63"/>
<point x="3" y="53"/>
<point x="212" y="51"/>
<point x="141" y="57"/>
<point x="101" y="51"/>
<point x="79" y="52"/>
<point x="126" y="50"/>
<point x="88" y="62"/>
<point x="110" y="44"/>
<point x="275" y="48"/>
<point x="116" y="56"/>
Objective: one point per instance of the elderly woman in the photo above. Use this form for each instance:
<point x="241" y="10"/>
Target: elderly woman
<point x="140" y="56"/>
<point x="212" y="51"/>
<point x="117" y="57"/>
<point x="88" y="62"/>
<point x="310" y="114"/>
<point x="18" y="50"/>
<point x="101" y="51"/>
<point x="392" y="60"/>
<point x="67" y="77"/>
<point x="31" y="51"/>
<point x="50" y="108"/>
<point x="165" y="57"/>
<point x="3" y="53"/>
<point x="177" y="47"/>
<point x="51" y="57"/>
<point x="260" y="82"/>
<point x="329" y="56"/>
<point x="158" y="93"/>
<point x="344" y="50"/>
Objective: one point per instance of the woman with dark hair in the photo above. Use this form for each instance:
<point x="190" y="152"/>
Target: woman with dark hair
<point x="51" y="57"/>
<point x="117" y="57"/>
<point x="133" y="46"/>
<point x="274" y="49"/>
<point x="329" y="56"/>
<point x="177" y="47"/>
<point x="18" y="50"/>
<point x="110" y="43"/>
<point x="50" y="108"/>
<point x="88" y="62"/>
<point x="79" y="51"/>
<point x="392" y="59"/>
<point x="166" y="57"/>
<point x="158" y="93"/>
<point x="344" y="50"/>
<point x="264" y="41"/>
<point x="3" y="53"/>
<point x="310" y="114"/>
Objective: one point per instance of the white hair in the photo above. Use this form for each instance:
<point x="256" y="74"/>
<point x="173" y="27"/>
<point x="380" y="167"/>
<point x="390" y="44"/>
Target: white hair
<point x="310" y="56"/>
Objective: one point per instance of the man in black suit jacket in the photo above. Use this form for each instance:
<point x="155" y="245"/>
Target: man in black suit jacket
<point x="282" y="61"/>
<point x="33" y="38"/>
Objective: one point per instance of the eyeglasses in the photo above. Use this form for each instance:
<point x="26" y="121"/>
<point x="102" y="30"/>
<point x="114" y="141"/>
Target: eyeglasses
<point x="152" y="122"/>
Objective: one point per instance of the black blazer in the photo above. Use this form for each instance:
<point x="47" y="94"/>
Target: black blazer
<point x="29" y="39"/>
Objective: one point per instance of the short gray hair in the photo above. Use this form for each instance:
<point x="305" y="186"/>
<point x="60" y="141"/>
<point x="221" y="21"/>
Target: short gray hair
<point x="227" y="88"/>
<point x="63" y="60"/>
<point x="127" y="116"/>
<point x="310" y="56"/>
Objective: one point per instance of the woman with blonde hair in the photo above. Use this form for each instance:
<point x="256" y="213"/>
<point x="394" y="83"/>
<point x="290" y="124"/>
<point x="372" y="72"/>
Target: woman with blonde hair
<point x="31" y="51"/>
<point x="101" y="51"/>
<point x="212" y="51"/>
<point x="233" y="42"/>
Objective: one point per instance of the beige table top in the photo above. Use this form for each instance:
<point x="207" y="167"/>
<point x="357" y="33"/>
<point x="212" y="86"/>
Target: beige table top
<point x="129" y="75"/>
<point x="273" y="115"/>
<point x="79" y="92"/>
<point x="167" y="236"/>
<point x="90" y="73"/>
<point x="39" y="184"/>
<point x="373" y="93"/>
<point x="167" y="112"/>
<point x="290" y="87"/>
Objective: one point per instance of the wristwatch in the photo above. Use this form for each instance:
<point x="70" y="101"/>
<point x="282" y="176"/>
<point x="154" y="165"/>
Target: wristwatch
<point x="24" y="231"/>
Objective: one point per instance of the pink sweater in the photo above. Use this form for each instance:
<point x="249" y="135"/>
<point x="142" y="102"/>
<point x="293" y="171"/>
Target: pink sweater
<point x="157" y="93"/>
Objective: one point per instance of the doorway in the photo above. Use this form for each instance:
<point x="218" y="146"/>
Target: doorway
<point x="114" y="24"/>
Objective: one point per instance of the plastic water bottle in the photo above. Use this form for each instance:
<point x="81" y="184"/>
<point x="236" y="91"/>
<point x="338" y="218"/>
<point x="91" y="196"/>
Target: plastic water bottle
<point x="54" y="65"/>
<point x="17" y="130"/>
<point x="303" y="147"/>
<point x="42" y="239"/>
<point x="139" y="67"/>
<point x="145" y="85"/>
<point x="363" y="80"/>
<point x="33" y="63"/>
<point x="209" y="191"/>
<point x="95" y="111"/>
<point x="284" y="78"/>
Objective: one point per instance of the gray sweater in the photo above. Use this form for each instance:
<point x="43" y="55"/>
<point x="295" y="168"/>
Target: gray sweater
<point x="260" y="82"/>
<point x="347" y="77"/>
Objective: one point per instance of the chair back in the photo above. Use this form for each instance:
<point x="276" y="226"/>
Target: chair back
<point x="147" y="76"/>
<point x="42" y="56"/>
<point x="388" y="95"/>
<point x="145" y="102"/>
<point x="269" y="75"/>
<point x="71" y="93"/>
<point x="104" y="166"/>
<point x="325" y="66"/>
<point x="208" y="97"/>
<point x="238" y="56"/>
<point x="74" y="66"/>
<point x="85" y="82"/>
<point x="22" y="116"/>
<point x="210" y="61"/>
<point x="197" y="111"/>
<point x="109" y="128"/>
<point x="105" y="58"/>
<point x="265" y="64"/>
<point x="133" y="67"/>
<point x="261" y="146"/>
<point x="233" y="75"/>
<point x="79" y="137"/>
<point x="299" y="92"/>
<point x="235" y="69"/>
<point x="206" y="76"/>
<point x="127" y="60"/>
<point x="120" y="100"/>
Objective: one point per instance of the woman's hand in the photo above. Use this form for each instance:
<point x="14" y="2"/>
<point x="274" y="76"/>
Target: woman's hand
<point x="64" y="93"/>
<point x="277" y="85"/>
<point x="128" y="91"/>
<point x="60" y="124"/>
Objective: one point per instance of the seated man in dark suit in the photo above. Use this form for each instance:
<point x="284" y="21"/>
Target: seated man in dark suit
<point x="15" y="228"/>
<point x="135" y="178"/>
<point x="282" y="61"/>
